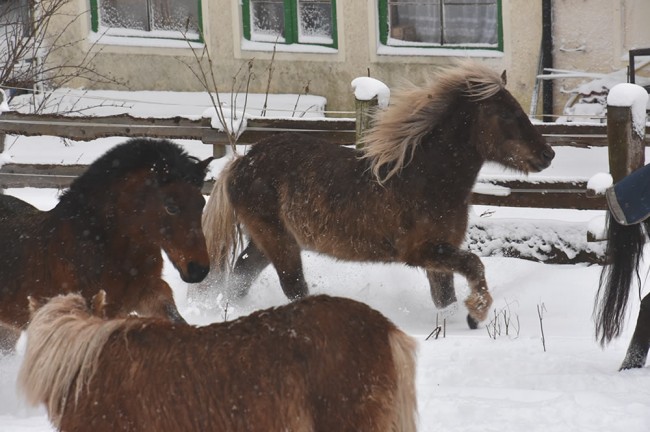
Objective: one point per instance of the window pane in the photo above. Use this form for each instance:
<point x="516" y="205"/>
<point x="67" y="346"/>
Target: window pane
<point x="415" y="21"/>
<point x="177" y="15"/>
<point x="267" y="20"/>
<point x="444" y="22"/>
<point x="470" y="22"/>
<point x="130" y="14"/>
<point x="180" y="15"/>
<point x="315" y="21"/>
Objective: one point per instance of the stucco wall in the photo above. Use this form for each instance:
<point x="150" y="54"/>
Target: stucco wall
<point x="595" y="36"/>
<point x="329" y="73"/>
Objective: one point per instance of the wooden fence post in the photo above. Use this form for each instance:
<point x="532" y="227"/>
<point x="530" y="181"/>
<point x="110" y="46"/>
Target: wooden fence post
<point x="625" y="136"/>
<point x="215" y="138"/>
<point x="363" y="114"/>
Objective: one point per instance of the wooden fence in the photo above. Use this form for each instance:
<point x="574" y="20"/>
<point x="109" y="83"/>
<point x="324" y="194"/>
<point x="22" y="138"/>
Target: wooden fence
<point x="552" y="194"/>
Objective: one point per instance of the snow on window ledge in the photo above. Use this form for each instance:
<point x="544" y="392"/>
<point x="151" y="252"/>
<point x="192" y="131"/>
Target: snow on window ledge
<point x="437" y="52"/>
<point x="135" y="38"/>
<point x="247" y="45"/>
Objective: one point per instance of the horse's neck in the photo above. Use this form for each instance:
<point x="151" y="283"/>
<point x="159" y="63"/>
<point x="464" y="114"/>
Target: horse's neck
<point x="97" y="234"/>
<point x="446" y="156"/>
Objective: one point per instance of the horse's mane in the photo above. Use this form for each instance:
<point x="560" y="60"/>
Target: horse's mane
<point x="415" y="111"/>
<point x="167" y="160"/>
<point x="64" y="342"/>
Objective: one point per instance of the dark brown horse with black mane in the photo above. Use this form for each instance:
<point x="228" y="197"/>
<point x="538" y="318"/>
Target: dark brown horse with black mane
<point x="107" y="231"/>
<point x="319" y="364"/>
<point x="403" y="198"/>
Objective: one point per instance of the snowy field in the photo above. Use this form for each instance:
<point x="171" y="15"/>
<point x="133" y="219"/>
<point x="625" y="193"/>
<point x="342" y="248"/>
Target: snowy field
<point x="470" y="380"/>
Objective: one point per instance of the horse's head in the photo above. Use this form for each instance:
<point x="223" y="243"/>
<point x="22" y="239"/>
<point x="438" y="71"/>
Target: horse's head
<point x="70" y="303"/>
<point x="179" y="208"/>
<point x="504" y="134"/>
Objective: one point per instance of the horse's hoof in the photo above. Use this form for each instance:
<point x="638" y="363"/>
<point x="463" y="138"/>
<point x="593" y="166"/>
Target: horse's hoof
<point x="473" y="324"/>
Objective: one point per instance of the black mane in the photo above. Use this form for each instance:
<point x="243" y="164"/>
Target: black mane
<point x="167" y="160"/>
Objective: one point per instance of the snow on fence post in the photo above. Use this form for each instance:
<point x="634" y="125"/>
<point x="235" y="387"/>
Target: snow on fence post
<point x="369" y="94"/>
<point x="626" y="118"/>
<point x="4" y="107"/>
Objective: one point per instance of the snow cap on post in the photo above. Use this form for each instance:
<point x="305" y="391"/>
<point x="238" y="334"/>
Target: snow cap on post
<point x="366" y="88"/>
<point x="4" y="104"/>
<point x="633" y="96"/>
<point x="369" y="94"/>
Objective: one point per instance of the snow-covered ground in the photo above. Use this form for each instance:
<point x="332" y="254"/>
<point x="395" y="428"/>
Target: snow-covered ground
<point x="470" y="380"/>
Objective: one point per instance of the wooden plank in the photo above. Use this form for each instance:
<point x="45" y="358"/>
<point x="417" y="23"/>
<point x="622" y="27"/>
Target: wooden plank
<point x="566" y="195"/>
<point x="90" y="128"/>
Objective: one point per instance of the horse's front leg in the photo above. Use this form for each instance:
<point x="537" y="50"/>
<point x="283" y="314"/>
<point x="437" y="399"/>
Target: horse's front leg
<point x="637" y="352"/>
<point x="443" y="257"/>
<point x="8" y="338"/>
<point x="442" y="289"/>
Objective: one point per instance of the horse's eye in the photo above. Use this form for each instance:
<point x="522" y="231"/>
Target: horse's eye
<point x="172" y="209"/>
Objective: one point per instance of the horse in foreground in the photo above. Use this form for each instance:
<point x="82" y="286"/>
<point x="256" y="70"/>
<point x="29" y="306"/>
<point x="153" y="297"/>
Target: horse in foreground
<point x="628" y="229"/>
<point x="318" y="364"/>
<point x="403" y="198"/>
<point x="107" y="231"/>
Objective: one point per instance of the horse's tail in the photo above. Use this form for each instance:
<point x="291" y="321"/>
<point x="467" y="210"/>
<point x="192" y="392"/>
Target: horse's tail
<point x="623" y="255"/>
<point x="222" y="233"/>
<point x="404" y="349"/>
<point x="63" y="346"/>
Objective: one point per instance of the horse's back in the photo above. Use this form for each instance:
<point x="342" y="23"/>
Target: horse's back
<point x="11" y="206"/>
<point x="292" y="157"/>
<point x="278" y="369"/>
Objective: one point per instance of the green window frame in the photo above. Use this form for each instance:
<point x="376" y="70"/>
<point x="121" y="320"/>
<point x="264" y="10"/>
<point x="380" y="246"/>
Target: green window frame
<point x="281" y="21"/>
<point x="178" y="32"/>
<point x="444" y="30"/>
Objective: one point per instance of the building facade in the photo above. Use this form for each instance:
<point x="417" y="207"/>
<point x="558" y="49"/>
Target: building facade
<point x="320" y="46"/>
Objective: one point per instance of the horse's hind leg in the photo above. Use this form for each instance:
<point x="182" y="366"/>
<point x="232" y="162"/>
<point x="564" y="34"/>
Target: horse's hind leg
<point x="248" y="266"/>
<point x="637" y="352"/>
<point x="442" y="288"/>
<point x="284" y="252"/>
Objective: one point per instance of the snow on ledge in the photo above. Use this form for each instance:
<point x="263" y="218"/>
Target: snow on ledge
<point x="366" y="88"/>
<point x="236" y="121"/>
<point x="4" y="105"/>
<point x="634" y="96"/>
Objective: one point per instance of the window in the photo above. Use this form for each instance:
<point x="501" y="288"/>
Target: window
<point x="290" y="21"/>
<point x="441" y="23"/>
<point x="173" y="19"/>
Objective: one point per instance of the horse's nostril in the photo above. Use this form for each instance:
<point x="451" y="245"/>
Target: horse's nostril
<point x="196" y="272"/>
<point x="549" y="154"/>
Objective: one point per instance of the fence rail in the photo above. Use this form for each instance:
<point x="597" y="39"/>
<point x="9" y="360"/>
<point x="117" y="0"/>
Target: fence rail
<point x="568" y="195"/>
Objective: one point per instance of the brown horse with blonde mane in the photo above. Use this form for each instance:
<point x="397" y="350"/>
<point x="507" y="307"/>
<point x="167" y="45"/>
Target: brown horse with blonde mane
<point x="107" y="230"/>
<point x="403" y="198"/>
<point x="319" y="364"/>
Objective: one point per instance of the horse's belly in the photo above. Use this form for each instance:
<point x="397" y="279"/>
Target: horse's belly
<point x="346" y="243"/>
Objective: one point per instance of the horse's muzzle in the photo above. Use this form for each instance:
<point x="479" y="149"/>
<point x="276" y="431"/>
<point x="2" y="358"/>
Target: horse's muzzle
<point x="544" y="159"/>
<point x="195" y="272"/>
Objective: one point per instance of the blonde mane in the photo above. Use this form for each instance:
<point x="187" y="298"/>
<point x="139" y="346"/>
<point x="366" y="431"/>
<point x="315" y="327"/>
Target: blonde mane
<point x="415" y="111"/>
<point x="63" y="345"/>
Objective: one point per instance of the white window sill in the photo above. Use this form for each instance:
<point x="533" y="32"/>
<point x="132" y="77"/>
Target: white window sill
<point x="141" y="41"/>
<point x="247" y="45"/>
<point x="437" y="52"/>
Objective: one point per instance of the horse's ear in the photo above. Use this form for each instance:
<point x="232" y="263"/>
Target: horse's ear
<point x="98" y="304"/>
<point x="203" y="165"/>
<point x="34" y="304"/>
<point x="504" y="78"/>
